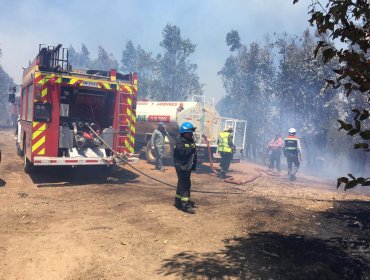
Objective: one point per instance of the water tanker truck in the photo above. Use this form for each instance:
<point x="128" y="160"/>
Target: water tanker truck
<point x="200" y="112"/>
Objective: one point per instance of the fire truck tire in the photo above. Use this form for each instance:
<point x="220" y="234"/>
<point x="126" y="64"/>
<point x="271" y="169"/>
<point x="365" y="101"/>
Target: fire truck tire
<point x="149" y="153"/>
<point x="27" y="165"/>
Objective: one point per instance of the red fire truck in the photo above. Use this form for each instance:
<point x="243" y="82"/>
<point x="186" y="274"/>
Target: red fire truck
<point x="73" y="117"/>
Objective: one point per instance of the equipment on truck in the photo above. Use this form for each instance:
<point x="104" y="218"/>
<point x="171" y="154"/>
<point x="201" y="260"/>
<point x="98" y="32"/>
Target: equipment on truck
<point x="60" y="107"/>
<point x="199" y="111"/>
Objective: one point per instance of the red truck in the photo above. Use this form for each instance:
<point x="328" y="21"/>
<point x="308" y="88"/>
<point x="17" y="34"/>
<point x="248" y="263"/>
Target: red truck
<point x="64" y="114"/>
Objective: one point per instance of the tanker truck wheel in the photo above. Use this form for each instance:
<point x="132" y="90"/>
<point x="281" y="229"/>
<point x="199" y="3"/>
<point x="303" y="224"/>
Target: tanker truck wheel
<point x="149" y="153"/>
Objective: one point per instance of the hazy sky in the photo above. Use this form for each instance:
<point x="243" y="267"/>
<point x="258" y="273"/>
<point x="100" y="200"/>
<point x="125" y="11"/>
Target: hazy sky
<point x="27" y="23"/>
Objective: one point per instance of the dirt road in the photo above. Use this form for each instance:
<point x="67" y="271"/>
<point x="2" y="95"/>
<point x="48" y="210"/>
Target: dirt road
<point x="66" y="223"/>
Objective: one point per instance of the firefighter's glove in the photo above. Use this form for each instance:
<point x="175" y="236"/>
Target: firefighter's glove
<point x="234" y="150"/>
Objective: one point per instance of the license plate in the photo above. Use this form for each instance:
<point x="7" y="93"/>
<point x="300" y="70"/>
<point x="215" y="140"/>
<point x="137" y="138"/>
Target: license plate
<point x="90" y="84"/>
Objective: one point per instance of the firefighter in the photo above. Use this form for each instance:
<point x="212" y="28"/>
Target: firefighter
<point x="293" y="153"/>
<point x="185" y="160"/>
<point x="158" y="145"/>
<point x="226" y="149"/>
<point x="275" y="146"/>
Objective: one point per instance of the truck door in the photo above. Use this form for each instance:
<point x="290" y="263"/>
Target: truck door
<point x="239" y="134"/>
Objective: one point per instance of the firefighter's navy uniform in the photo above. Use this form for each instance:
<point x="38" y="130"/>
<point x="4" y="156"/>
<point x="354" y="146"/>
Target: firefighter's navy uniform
<point x="226" y="149"/>
<point x="185" y="160"/>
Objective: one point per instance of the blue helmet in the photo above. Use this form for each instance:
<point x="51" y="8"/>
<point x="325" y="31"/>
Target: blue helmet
<point x="186" y="127"/>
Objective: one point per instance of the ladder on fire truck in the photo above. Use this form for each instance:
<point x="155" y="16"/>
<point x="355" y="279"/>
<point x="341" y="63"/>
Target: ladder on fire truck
<point x="124" y="125"/>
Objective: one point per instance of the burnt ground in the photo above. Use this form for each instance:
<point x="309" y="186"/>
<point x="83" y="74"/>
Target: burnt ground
<point x="94" y="223"/>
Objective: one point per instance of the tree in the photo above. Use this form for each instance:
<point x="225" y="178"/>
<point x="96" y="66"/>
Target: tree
<point x="233" y="40"/>
<point x="84" y="57"/>
<point x="248" y="76"/>
<point x="5" y="83"/>
<point x="79" y="59"/>
<point x="104" y="61"/>
<point x="300" y="97"/>
<point x="135" y="59"/>
<point x="278" y="85"/>
<point x="349" y="23"/>
<point x="177" y="78"/>
<point x="73" y="56"/>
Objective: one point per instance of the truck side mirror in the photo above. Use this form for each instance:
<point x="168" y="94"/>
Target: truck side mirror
<point x="11" y="98"/>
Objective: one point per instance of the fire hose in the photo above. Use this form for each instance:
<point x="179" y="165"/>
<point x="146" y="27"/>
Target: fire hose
<point x="231" y="179"/>
<point x="142" y="173"/>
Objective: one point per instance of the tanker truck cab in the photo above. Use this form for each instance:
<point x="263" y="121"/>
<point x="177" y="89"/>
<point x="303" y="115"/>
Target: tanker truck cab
<point x="75" y="117"/>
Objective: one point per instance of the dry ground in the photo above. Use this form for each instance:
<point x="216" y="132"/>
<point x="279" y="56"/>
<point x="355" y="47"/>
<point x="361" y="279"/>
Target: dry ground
<point x="64" y="223"/>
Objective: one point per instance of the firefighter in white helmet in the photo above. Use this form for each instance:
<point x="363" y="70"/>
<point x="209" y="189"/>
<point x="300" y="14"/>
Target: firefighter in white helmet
<point x="293" y="153"/>
<point x="226" y="149"/>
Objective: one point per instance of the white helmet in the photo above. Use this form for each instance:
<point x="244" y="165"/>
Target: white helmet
<point x="229" y="129"/>
<point x="292" y="130"/>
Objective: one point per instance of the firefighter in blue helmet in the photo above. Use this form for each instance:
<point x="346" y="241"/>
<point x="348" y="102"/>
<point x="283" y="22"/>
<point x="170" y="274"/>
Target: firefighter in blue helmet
<point x="185" y="160"/>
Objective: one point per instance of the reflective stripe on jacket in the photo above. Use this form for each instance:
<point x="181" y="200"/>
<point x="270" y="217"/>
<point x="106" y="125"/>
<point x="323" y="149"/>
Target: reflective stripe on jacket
<point x="276" y="143"/>
<point x="291" y="143"/>
<point x="223" y="142"/>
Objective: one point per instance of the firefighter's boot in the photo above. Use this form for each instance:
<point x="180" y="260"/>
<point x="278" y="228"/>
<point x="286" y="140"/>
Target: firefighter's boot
<point x="186" y="207"/>
<point x="192" y="204"/>
<point x="223" y="174"/>
<point x="177" y="203"/>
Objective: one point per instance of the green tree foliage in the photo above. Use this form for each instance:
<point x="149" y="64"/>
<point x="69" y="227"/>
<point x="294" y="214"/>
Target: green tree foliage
<point x="104" y="61"/>
<point x="248" y="77"/>
<point x="168" y="76"/>
<point x="135" y="59"/>
<point x="177" y="78"/>
<point x="300" y="91"/>
<point x="280" y="84"/>
<point x="233" y="40"/>
<point x="5" y="83"/>
<point x="79" y="59"/>
<point x="349" y="23"/>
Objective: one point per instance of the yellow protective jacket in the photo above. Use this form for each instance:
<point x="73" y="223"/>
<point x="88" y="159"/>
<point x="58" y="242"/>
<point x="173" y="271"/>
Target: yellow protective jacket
<point x="225" y="143"/>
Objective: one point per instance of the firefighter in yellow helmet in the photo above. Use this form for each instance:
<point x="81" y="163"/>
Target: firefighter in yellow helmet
<point x="226" y="149"/>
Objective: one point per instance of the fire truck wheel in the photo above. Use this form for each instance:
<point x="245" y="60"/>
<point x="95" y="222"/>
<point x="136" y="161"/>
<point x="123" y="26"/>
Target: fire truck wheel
<point x="27" y="165"/>
<point x="149" y="153"/>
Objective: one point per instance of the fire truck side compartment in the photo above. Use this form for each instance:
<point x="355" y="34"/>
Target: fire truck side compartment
<point x="65" y="137"/>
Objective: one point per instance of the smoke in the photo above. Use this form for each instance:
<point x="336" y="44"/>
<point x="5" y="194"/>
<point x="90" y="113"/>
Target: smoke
<point x="327" y="153"/>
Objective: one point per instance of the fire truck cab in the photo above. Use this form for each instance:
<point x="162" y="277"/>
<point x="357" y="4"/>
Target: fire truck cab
<point x="65" y="114"/>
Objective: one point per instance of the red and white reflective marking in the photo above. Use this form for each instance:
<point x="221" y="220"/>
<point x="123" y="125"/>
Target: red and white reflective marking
<point x="45" y="161"/>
